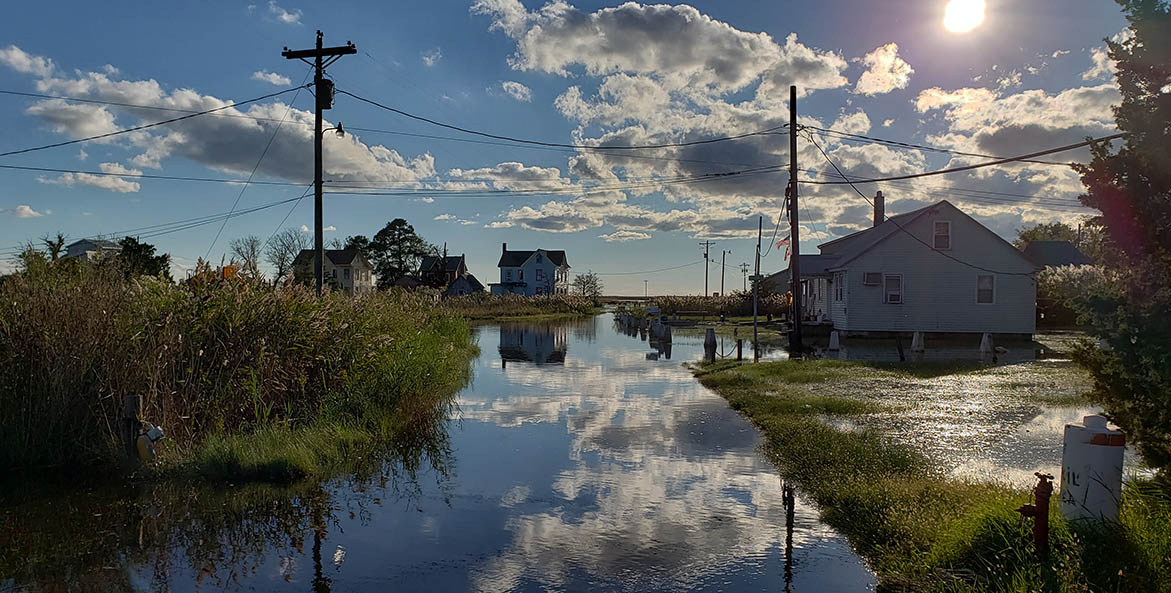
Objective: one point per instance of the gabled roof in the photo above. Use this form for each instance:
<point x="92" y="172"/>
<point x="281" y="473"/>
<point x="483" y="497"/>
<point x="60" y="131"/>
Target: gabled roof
<point x="473" y="282"/>
<point x="98" y="243"/>
<point x="451" y="263"/>
<point x="1055" y="253"/>
<point x="852" y="246"/>
<point x="512" y="259"/>
<point x="338" y="257"/>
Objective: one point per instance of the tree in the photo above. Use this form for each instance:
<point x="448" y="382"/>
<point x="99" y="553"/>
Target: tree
<point x="246" y="252"/>
<point x="1054" y="231"/>
<point x="1131" y="186"/>
<point x="54" y="245"/>
<point x="397" y="251"/>
<point x="139" y="259"/>
<point x="588" y="284"/>
<point x="334" y="243"/>
<point x="359" y="242"/>
<point x="282" y="249"/>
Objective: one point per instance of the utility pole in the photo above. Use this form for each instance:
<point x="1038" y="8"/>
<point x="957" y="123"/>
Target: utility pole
<point x="723" y="266"/>
<point x="756" y="290"/>
<point x="707" y="245"/>
<point x="794" y="227"/>
<point x="645" y="289"/>
<point x="744" y="271"/>
<point x="323" y="90"/>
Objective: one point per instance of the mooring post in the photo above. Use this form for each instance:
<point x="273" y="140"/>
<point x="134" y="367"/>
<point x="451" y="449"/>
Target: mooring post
<point x="131" y="423"/>
<point x="709" y="345"/>
<point x="739" y="349"/>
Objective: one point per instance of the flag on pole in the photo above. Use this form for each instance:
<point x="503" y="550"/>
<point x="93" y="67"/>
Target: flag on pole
<point x="783" y="242"/>
<point x="787" y="247"/>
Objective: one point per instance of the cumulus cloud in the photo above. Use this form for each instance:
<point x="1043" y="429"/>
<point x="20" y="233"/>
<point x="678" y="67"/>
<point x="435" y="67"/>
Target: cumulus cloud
<point x="517" y="90"/>
<point x="432" y="56"/>
<point x="305" y="229"/>
<point x="22" y="211"/>
<point x="498" y="224"/>
<point x="885" y="71"/>
<point x="289" y="17"/>
<point x="111" y="181"/>
<point x="19" y="60"/>
<point x="329" y="229"/>
<point x="271" y="78"/>
<point x="444" y="217"/>
<point x="623" y="236"/>
<point x="1102" y="66"/>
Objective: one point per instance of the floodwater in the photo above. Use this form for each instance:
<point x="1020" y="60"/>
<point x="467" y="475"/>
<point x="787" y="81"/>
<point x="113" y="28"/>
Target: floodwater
<point x="579" y="459"/>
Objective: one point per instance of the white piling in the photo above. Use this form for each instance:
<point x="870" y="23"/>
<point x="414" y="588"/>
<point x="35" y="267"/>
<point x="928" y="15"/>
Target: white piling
<point x="834" y="342"/>
<point x="1091" y="470"/>
<point x="986" y="344"/>
<point x="917" y="342"/>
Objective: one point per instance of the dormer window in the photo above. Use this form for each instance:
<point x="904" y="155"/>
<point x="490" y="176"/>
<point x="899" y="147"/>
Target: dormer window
<point x="942" y="234"/>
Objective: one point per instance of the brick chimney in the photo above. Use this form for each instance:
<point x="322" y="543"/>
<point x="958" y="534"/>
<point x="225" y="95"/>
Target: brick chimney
<point x="879" y="208"/>
<point x="503" y="248"/>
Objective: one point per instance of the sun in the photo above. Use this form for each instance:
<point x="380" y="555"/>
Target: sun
<point x="962" y="16"/>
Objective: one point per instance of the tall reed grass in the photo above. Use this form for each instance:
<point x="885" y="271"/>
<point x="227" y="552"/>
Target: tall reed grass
<point x="210" y="360"/>
<point x="488" y="306"/>
<point x="733" y="304"/>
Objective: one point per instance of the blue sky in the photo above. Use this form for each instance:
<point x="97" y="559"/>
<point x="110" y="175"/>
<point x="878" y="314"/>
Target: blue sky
<point x="1031" y="76"/>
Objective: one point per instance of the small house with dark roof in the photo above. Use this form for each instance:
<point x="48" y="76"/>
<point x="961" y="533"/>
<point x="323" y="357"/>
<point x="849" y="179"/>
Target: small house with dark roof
<point x="1055" y="254"/>
<point x="934" y="269"/>
<point x="92" y="249"/>
<point x="345" y="269"/>
<point x="532" y="273"/>
<point x="439" y="271"/>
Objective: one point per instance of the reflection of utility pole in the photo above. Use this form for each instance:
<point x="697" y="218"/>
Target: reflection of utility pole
<point x="788" y="500"/>
<point x="323" y="89"/>
<point x="707" y="245"/>
<point x="723" y="265"/>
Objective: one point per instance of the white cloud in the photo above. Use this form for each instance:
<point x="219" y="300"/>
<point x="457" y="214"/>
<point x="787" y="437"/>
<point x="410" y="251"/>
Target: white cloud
<point x="427" y="200"/>
<point x="271" y="78"/>
<point x="498" y="224"/>
<point x="329" y="229"/>
<point x="1059" y="53"/>
<point x="624" y="235"/>
<point x="18" y="60"/>
<point x="289" y="17"/>
<point x="887" y="122"/>
<point x="517" y="90"/>
<point x="885" y="71"/>
<point x="432" y="56"/>
<point x="444" y="217"/>
<point x="305" y="228"/>
<point x="1103" y="67"/>
<point x="466" y="222"/>
<point x="23" y="211"/>
<point x="110" y="181"/>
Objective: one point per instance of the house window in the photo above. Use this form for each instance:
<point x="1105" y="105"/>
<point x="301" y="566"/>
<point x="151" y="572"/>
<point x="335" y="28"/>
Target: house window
<point x="522" y="274"/>
<point x="508" y="275"/>
<point x="985" y="289"/>
<point x="872" y="278"/>
<point x="346" y="273"/>
<point x="839" y="286"/>
<point x="540" y="273"/>
<point x="538" y="261"/>
<point x="893" y="292"/>
<point x="334" y="274"/>
<point x="942" y="234"/>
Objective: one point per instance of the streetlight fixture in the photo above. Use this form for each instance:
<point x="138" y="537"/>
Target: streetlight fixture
<point x="338" y="131"/>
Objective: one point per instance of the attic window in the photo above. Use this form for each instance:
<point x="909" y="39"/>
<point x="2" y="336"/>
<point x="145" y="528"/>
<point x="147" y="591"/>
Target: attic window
<point x="942" y="234"/>
<point x="872" y="278"/>
<point x="538" y="258"/>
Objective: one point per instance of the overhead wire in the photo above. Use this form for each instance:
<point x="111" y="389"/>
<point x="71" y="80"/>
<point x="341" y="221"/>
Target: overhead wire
<point x="909" y="145"/>
<point x="146" y="126"/>
<point x="904" y="230"/>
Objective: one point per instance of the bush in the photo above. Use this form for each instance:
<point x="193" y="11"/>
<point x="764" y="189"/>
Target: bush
<point x="209" y="358"/>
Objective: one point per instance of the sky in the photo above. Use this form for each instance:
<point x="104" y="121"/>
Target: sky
<point x="1032" y="75"/>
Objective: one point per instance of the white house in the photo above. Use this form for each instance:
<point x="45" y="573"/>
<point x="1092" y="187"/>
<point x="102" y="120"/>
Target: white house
<point x="532" y="273"/>
<point x="92" y="249"/>
<point x="347" y="269"/>
<point x="934" y="269"/>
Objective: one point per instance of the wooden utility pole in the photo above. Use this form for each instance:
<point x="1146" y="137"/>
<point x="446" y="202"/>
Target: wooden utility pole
<point x="794" y="227"/>
<point x="323" y="89"/>
<point x="707" y="245"/>
<point x="723" y="266"/>
<point x="756" y="290"/>
<point x="744" y="271"/>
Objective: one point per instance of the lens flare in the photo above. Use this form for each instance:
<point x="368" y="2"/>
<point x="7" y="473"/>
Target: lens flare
<point x="962" y="16"/>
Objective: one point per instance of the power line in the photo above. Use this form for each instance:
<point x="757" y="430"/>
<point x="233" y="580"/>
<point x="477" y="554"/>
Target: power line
<point x="1023" y="157"/>
<point x="145" y="126"/>
<point x="900" y="227"/>
<point x="557" y="144"/>
<point x="649" y="271"/>
<point x="909" y="145"/>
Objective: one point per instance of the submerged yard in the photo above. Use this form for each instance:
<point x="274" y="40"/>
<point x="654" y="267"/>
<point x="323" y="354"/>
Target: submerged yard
<point x="922" y="466"/>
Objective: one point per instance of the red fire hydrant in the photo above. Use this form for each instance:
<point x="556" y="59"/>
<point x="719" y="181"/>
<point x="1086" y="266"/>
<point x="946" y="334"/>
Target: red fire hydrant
<point x="1039" y="511"/>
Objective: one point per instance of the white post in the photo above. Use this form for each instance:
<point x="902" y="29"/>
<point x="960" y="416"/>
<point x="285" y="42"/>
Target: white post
<point x="917" y="343"/>
<point x="1091" y="470"/>
<point x="986" y="344"/>
<point x="834" y="341"/>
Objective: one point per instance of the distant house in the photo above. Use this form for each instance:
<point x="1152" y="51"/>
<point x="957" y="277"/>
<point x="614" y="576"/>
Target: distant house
<point x="92" y="249"/>
<point x="464" y="285"/>
<point x="347" y="269"/>
<point x="439" y="271"/>
<point x="816" y="283"/>
<point x="1055" y="254"/>
<point x="934" y="269"/>
<point x="532" y="273"/>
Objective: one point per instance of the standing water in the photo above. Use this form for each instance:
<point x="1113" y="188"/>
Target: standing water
<point x="574" y="462"/>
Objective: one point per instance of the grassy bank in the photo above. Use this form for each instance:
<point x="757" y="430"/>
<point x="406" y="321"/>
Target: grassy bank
<point x="920" y="529"/>
<point x="491" y="307"/>
<point x="246" y="381"/>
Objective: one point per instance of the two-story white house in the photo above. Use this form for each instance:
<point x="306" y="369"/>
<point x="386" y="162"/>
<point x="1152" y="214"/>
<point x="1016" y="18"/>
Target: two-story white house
<point x="346" y="269"/>
<point x="532" y="273"/>
<point x="934" y="269"/>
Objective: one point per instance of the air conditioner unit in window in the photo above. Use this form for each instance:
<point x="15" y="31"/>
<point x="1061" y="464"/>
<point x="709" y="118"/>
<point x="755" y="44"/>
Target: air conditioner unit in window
<point x="872" y="278"/>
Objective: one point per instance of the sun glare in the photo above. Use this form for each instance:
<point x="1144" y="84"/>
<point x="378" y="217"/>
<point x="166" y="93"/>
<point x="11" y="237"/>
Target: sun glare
<point x="962" y="16"/>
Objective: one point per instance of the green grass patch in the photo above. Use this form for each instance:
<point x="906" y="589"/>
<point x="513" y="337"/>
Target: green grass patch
<point x="919" y="529"/>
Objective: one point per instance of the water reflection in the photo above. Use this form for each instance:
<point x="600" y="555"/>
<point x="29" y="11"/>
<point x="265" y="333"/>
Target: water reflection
<point x="572" y="464"/>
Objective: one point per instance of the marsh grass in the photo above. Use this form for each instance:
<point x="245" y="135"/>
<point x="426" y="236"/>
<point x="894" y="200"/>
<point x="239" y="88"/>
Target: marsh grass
<point x="272" y="383"/>
<point x="486" y="306"/>
<point x="920" y="529"/>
